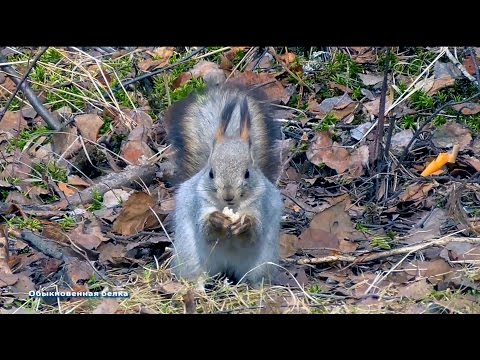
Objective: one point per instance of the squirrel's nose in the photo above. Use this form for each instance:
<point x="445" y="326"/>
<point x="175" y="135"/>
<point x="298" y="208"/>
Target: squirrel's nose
<point x="228" y="197"/>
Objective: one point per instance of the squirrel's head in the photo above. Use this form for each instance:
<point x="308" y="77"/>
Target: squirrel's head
<point x="232" y="172"/>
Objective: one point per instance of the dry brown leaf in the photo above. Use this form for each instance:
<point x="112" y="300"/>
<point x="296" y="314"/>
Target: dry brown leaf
<point x="373" y="106"/>
<point x="439" y="84"/>
<point x="323" y="151"/>
<point x="13" y="122"/>
<point x="76" y="180"/>
<point x="171" y="288"/>
<point x="28" y="112"/>
<point x="451" y="133"/>
<point x="288" y="245"/>
<point x="89" y="236"/>
<point x="134" y="214"/>
<point x="287" y="58"/>
<point x="139" y="118"/>
<point x="89" y="125"/>
<point x="417" y="290"/>
<point x="416" y="192"/>
<point x="113" y="254"/>
<point x="434" y="271"/>
<point x="181" y="80"/>
<point x="23" y="286"/>
<point x="79" y="272"/>
<point x="473" y="162"/>
<point x="468" y="108"/>
<point x="66" y="139"/>
<point x="136" y="151"/>
<point x="115" y="197"/>
<point x="328" y="228"/>
<point x="67" y="190"/>
<point x="401" y="139"/>
<point x="7" y="278"/>
<point x="161" y="55"/>
<point x="364" y="55"/>
<point x="107" y="306"/>
<point x="343" y="88"/>
<point x="458" y="251"/>
<point x="370" y="79"/>
<point x="340" y="106"/>
<point x="469" y="65"/>
<point x="273" y="89"/>
<point x="427" y="227"/>
<point x="207" y="70"/>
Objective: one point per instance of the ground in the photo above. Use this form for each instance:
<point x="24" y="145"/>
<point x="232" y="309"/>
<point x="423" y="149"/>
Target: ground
<point x="380" y="179"/>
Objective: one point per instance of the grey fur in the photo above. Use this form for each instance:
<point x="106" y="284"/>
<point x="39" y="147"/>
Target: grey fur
<point x="197" y="250"/>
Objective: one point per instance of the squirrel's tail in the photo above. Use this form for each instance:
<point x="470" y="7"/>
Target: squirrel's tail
<point x="191" y="125"/>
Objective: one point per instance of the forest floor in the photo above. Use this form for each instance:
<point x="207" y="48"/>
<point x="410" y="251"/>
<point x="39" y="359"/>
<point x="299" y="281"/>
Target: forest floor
<point x="381" y="158"/>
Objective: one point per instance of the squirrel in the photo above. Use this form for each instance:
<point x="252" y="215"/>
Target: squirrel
<point x="227" y="209"/>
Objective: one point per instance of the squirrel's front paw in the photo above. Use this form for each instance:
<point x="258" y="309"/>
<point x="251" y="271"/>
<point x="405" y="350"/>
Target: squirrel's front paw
<point x="219" y="220"/>
<point x="242" y="225"/>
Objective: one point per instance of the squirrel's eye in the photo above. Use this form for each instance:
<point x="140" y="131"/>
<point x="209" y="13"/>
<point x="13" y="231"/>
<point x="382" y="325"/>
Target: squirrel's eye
<point x="210" y="174"/>
<point x="247" y="174"/>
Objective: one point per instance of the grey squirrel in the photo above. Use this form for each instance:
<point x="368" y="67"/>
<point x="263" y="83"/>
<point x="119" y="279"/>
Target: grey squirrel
<point x="227" y="208"/>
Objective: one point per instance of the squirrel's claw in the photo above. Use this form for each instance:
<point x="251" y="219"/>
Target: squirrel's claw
<point x="241" y="225"/>
<point x="219" y="220"/>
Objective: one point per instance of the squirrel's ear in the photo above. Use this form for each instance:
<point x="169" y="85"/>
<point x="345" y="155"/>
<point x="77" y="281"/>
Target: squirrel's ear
<point x="225" y="120"/>
<point x="245" y="121"/>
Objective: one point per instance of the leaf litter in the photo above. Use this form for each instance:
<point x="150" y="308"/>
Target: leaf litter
<point x="329" y="184"/>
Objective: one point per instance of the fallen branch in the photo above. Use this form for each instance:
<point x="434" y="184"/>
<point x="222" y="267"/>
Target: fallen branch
<point x="384" y="254"/>
<point x="51" y="121"/>
<point x="22" y="80"/>
<point x="42" y="244"/>
<point x="131" y="174"/>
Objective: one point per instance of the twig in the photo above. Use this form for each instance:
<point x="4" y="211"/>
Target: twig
<point x="51" y="121"/>
<point x="384" y="254"/>
<point x="460" y="67"/>
<point x="156" y="72"/>
<point x="22" y="80"/>
<point x="272" y="51"/>
<point x="378" y="155"/>
<point x="430" y="118"/>
<point x="43" y="245"/>
<point x="473" y="55"/>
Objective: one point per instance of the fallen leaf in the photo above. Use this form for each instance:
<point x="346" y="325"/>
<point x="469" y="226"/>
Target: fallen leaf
<point x="134" y="214"/>
<point x="358" y="132"/>
<point x="467" y="108"/>
<point x="459" y="251"/>
<point x="342" y="88"/>
<point x="76" y="180"/>
<point x="446" y="70"/>
<point x="434" y="271"/>
<point x="417" y="290"/>
<point x="107" y="306"/>
<point x="400" y="140"/>
<point x="28" y="112"/>
<point x="89" y="125"/>
<point x="7" y="279"/>
<point x="427" y="226"/>
<point x="373" y="106"/>
<point x="323" y="151"/>
<point x="136" y="152"/>
<point x="113" y="254"/>
<point x="328" y="228"/>
<point x="66" y="142"/>
<point x="23" y="286"/>
<point x="293" y="276"/>
<point x="13" y="122"/>
<point x="364" y="55"/>
<point x="181" y="80"/>
<point x="451" y="133"/>
<point x="170" y="288"/>
<point x="469" y="65"/>
<point x="288" y="245"/>
<point x="89" y="236"/>
<point x="68" y="191"/>
<point x="339" y="106"/>
<point x="79" y="272"/>
<point x="115" y="197"/>
<point x="474" y="162"/>
<point x="209" y="71"/>
<point x="272" y="88"/>
<point x="438" y="84"/>
<point x="370" y="79"/>
<point x="163" y="53"/>
<point x="416" y="192"/>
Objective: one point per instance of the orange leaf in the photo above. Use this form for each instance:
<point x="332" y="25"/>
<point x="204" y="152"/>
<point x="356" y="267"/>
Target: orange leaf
<point x="68" y="191"/>
<point x="436" y="164"/>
